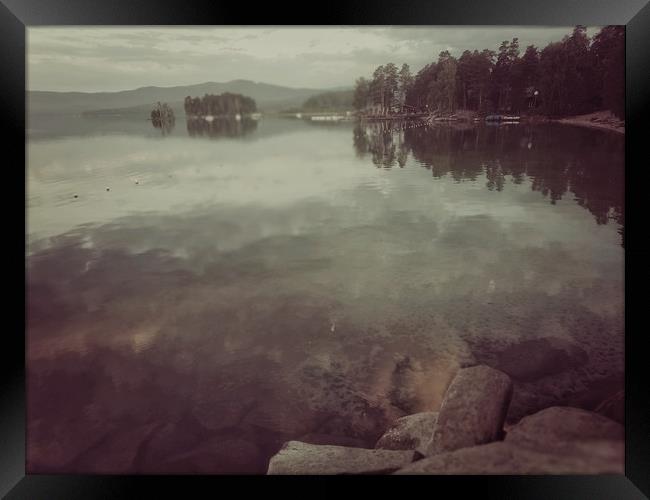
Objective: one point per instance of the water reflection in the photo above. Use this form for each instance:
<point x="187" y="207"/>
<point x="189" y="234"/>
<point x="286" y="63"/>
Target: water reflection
<point x="220" y="127"/>
<point x="165" y="127"/>
<point x="586" y="164"/>
<point x="244" y="293"/>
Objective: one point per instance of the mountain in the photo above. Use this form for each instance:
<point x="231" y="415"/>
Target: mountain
<point x="268" y="97"/>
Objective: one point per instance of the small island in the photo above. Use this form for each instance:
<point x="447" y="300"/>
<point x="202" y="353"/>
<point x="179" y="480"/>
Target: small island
<point x="162" y="116"/>
<point x="226" y="105"/>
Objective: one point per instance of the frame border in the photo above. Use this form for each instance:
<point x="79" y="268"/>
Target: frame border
<point x="17" y="15"/>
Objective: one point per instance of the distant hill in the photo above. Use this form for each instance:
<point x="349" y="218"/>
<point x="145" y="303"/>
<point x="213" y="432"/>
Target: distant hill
<point x="143" y="109"/>
<point x="268" y="98"/>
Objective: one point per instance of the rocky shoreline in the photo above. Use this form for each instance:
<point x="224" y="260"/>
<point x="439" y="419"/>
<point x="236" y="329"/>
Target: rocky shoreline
<point x="468" y="435"/>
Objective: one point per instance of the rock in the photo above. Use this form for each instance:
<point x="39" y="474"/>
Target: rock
<point x="115" y="454"/>
<point x="166" y="441"/>
<point x="613" y="407"/>
<point x="283" y="415"/>
<point x="52" y="450"/>
<point x="558" y="429"/>
<point x="413" y="432"/>
<point x="596" y="457"/>
<point x="402" y="394"/>
<point x="605" y="396"/>
<point x="332" y="439"/>
<point x="473" y="410"/>
<point x="533" y="359"/>
<point x="217" y="415"/>
<point x="302" y="458"/>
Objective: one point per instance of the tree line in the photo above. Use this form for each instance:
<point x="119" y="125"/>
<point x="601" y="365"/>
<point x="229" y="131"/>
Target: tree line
<point x="338" y="100"/>
<point x="226" y="104"/>
<point x="576" y="75"/>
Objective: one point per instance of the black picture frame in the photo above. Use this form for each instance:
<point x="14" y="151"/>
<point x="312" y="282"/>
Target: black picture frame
<point x="17" y="15"/>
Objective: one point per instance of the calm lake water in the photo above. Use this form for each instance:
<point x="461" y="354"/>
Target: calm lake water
<point x="198" y="296"/>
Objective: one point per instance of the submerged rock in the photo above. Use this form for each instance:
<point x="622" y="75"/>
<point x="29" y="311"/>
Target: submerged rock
<point x="220" y="414"/>
<point x="597" y="457"/>
<point x="116" y="453"/>
<point x="613" y="407"/>
<point x="219" y="455"/>
<point x="302" y="458"/>
<point x="168" y="440"/>
<point x="402" y="394"/>
<point x="413" y="432"/>
<point x="533" y="359"/>
<point x="603" y="395"/>
<point x="560" y="428"/>
<point x="473" y="410"/>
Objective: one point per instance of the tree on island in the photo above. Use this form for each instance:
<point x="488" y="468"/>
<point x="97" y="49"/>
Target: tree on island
<point x="162" y="116"/>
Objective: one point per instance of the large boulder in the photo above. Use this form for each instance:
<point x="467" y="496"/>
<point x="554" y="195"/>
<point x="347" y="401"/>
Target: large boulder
<point x="303" y="458"/>
<point x="533" y="359"/>
<point x="596" y="457"/>
<point x="558" y="429"/>
<point x="473" y="410"/>
<point x="413" y="432"/>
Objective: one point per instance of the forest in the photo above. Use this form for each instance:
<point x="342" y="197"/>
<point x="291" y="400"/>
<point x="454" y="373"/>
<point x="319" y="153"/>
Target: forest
<point x="576" y="75"/>
<point x="340" y="100"/>
<point x="226" y="104"/>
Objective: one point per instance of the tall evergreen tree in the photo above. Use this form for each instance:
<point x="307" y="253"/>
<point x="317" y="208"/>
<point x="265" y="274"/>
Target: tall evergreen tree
<point x="361" y="96"/>
<point x="391" y="82"/>
<point x="404" y="84"/>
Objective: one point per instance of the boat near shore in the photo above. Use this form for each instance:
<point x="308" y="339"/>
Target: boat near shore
<point x="331" y="118"/>
<point x="503" y="118"/>
<point x="327" y="118"/>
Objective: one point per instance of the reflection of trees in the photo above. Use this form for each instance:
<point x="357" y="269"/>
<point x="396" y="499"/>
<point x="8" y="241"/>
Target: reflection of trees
<point x="162" y="117"/>
<point x="384" y="141"/>
<point x="555" y="161"/>
<point x="165" y="127"/>
<point x="222" y="127"/>
<point x="495" y="176"/>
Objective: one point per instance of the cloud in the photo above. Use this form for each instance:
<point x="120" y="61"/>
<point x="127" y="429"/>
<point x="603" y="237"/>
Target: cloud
<point x="118" y="58"/>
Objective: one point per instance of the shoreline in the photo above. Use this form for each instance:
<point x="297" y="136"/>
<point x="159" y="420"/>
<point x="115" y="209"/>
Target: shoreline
<point x="595" y="121"/>
<point x="601" y="120"/>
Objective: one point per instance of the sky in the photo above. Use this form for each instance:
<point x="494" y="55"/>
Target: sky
<point x="93" y="59"/>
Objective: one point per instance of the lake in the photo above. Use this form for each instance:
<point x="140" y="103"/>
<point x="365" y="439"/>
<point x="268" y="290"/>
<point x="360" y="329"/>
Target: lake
<point x="198" y="296"/>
